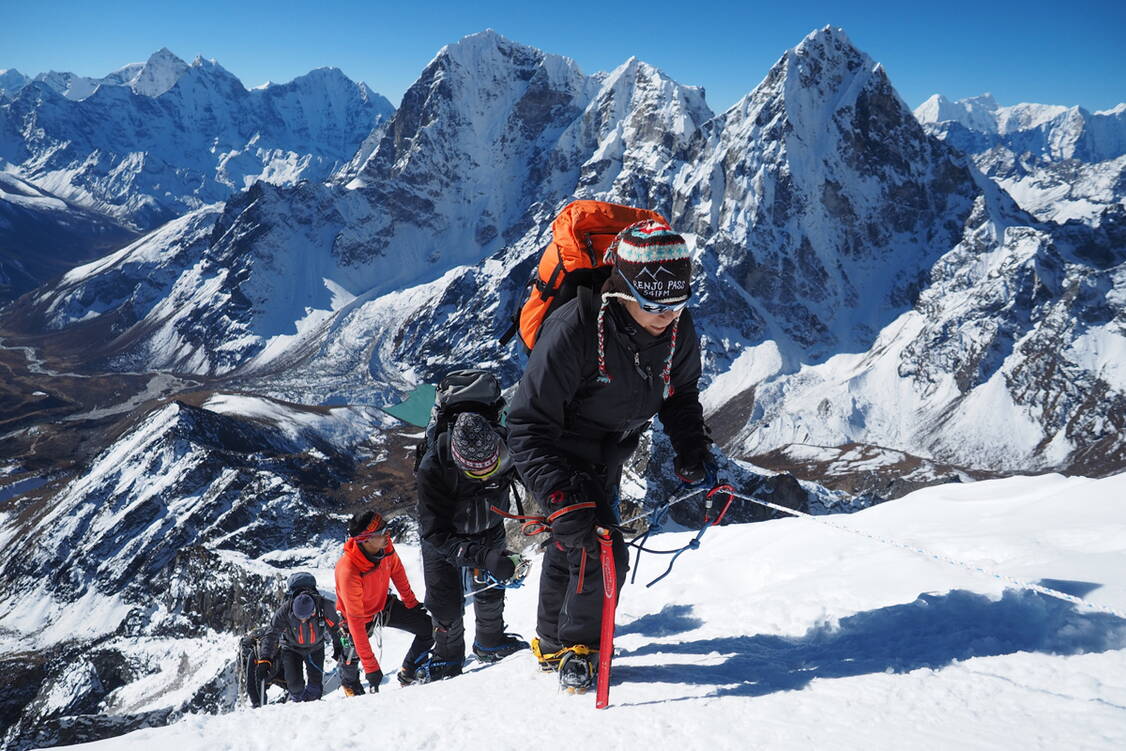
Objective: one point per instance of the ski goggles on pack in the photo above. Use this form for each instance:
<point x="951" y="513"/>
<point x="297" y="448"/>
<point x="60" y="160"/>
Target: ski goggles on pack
<point x="648" y="305"/>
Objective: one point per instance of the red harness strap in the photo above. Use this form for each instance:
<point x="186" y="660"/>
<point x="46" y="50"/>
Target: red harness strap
<point x="536" y="525"/>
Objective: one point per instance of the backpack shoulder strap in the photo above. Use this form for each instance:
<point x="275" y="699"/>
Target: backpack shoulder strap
<point x="513" y="481"/>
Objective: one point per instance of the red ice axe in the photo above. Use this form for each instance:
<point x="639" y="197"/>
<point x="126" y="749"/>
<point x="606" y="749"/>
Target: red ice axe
<point x="609" y="604"/>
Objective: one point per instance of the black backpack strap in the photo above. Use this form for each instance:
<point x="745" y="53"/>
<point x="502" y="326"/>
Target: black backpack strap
<point x="516" y="495"/>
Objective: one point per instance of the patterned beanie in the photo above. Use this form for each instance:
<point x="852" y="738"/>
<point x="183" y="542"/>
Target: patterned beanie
<point x="304" y="607"/>
<point x="655" y="261"/>
<point x="474" y="444"/>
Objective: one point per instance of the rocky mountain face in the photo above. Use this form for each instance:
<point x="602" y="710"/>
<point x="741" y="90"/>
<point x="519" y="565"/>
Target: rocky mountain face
<point x="851" y="264"/>
<point x="1059" y="163"/>
<point x="151" y="142"/>
<point x="874" y="312"/>
<point x="173" y="539"/>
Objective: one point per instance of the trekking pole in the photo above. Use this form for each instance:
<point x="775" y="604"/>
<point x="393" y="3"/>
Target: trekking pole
<point x="609" y="604"/>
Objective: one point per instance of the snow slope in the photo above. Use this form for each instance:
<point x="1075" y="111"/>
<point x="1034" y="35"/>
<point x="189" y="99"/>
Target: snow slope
<point x="790" y="634"/>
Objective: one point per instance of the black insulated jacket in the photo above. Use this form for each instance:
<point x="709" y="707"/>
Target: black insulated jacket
<point x="564" y="421"/>
<point x="454" y="515"/>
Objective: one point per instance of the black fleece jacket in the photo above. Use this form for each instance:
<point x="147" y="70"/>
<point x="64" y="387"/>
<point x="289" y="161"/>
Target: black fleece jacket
<point x="563" y="420"/>
<point x="453" y="509"/>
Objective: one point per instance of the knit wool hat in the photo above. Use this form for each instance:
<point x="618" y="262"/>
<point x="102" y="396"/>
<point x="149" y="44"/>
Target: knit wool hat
<point x="655" y="261"/>
<point x="474" y="444"/>
<point x="304" y="607"/>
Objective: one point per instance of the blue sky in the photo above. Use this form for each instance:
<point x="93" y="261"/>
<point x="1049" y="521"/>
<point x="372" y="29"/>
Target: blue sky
<point x="1054" y="53"/>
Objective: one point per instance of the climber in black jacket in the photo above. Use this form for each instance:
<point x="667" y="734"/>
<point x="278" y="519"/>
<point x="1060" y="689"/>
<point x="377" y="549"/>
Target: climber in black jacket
<point x="603" y="366"/>
<point x="465" y="472"/>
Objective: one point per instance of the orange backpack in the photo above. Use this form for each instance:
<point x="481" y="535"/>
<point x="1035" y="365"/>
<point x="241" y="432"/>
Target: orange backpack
<point x="575" y="258"/>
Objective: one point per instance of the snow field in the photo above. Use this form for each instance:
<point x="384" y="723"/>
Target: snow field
<point x="790" y="634"/>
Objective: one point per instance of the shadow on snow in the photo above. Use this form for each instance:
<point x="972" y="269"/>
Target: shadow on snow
<point x="932" y="632"/>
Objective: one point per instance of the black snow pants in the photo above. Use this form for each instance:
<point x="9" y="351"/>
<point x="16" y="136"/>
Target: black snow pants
<point x="293" y="666"/>
<point x="567" y="616"/>
<point x="445" y="599"/>
<point x="394" y="615"/>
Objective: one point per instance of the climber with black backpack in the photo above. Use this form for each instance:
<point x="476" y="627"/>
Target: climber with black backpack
<point x="299" y="630"/>
<point x="622" y="350"/>
<point x="463" y="474"/>
<point x="257" y="682"/>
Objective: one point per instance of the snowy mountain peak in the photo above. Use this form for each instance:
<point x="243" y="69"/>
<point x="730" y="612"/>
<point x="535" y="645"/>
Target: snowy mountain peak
<point x="485" y="49"/>
<point x="71" y="86"/>
<point x="978" y="113"/>
<point x="327" y="79"/>
<point x="818" y="84"/>
<point x="827" y="43"/>
<point x="159" y="74"/>
<point x="11" y="81"/>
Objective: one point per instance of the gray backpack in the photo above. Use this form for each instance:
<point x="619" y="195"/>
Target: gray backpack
<point x="469" y="390"/>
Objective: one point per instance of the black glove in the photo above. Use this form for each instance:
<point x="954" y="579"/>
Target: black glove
<point x="375" y="677"/>
<point x="263" y="670"/>
<point x="697" y="471"/>
<point x="500" y="564"/>
<point x="470" y="554"/>
<point x="337" y="649"/>
<point x="572" y="527"/>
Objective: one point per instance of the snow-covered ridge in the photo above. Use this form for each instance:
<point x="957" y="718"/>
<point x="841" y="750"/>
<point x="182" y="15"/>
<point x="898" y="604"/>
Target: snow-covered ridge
<point x="42" y="235"/>
<point x="150" y="142"/>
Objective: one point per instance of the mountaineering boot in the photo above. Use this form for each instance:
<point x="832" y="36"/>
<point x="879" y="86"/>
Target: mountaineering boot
<point x="437" y="670"/>
<point x="546" y="654"/>
<point x="496" y="649"/>
<point x="577" y="670"/>
<point x="352" y="689"/>
<point x="408" y="673"/>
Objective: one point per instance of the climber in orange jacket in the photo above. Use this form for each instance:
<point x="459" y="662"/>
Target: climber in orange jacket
<point x="368" y="565"/>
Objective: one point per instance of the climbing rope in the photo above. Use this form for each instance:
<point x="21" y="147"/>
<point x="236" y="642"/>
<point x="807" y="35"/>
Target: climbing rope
<point x="1020" y="583"/>
<point x="659" y="513"/>
<point x="657" y="520"/>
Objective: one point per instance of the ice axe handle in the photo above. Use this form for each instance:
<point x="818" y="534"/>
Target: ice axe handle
<point x="609" y="604"/>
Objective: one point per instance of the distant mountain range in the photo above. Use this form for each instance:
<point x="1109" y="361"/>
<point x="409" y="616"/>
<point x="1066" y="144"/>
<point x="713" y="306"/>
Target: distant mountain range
<point x="1058" y="162"/>
<point x="151" y="141"/>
